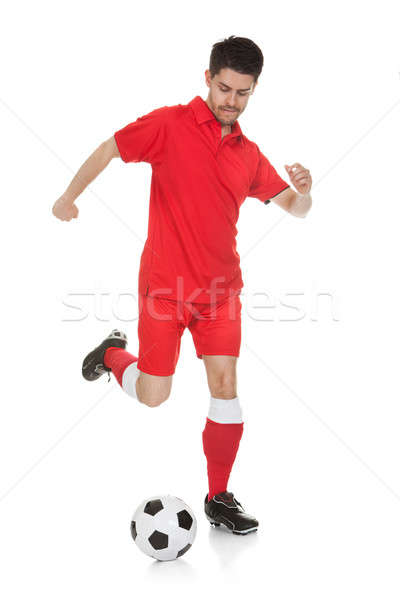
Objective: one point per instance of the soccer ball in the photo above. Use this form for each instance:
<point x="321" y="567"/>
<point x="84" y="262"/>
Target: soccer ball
<point x="163" y="527"/>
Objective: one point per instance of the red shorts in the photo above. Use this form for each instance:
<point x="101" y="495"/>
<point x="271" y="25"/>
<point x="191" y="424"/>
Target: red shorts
<point x="215" y="329"/>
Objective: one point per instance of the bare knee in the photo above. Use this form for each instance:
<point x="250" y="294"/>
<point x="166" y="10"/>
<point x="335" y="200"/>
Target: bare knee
<point x="152" y="391"/>
<point x="221" y="375"/>
<point x="224" y="387"/>
<point x="152" y="401"/>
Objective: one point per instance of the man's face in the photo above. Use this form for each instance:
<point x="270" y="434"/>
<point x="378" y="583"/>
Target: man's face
<point x="228" y="90"/>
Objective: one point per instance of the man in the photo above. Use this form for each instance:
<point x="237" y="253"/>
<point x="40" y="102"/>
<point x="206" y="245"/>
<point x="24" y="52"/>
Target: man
<point x="203" y="168"/>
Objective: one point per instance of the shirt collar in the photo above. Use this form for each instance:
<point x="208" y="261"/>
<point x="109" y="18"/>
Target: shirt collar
<point x="203" y="113"/>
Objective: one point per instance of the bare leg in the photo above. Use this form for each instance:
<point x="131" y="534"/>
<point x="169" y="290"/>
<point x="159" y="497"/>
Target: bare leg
<point x="153" y="390"/>
<point x="221" y="375"/>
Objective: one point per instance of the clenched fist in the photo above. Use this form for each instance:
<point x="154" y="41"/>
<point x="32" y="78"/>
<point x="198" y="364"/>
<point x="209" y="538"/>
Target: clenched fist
<point x="300" y="177"/>
<point x="64" y="210"/>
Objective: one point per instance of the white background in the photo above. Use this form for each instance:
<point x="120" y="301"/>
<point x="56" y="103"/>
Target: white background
<point x="318" y="461"/>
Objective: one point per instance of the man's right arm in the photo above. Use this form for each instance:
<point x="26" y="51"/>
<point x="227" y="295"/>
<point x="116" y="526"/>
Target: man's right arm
<point x="64" y="208"/>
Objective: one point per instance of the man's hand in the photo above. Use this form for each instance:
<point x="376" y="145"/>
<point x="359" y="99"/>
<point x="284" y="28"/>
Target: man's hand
<point x="300" y="177"/>
<point x="64" y="209"/>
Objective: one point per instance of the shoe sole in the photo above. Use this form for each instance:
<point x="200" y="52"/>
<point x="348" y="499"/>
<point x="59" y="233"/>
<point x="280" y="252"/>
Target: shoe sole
<point x="92" y="376"/>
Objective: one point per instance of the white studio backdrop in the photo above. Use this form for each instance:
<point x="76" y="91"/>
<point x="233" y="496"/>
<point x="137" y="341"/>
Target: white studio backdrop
<point x="317" y="375"/>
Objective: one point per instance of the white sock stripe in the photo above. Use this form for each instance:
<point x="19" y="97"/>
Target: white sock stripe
<point x="129" y="378"/>
<point x="225" y="411"/>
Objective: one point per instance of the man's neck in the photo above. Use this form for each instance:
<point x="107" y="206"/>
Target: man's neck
<point x="225" y="129"/>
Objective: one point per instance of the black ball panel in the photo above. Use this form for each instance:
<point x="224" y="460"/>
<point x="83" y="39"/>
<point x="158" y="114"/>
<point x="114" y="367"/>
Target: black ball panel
<point x="184" y="519"/>
<point x="133" y="530"/>
<point x="158" y="540"/>
<point x="184" y="549"/>
<point x="153" y="507"/>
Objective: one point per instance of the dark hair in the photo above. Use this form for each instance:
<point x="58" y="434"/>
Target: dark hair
<point x="237" y="53"/>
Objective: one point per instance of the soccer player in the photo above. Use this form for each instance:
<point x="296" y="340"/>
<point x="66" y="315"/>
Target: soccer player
<point x="203" y="168"/>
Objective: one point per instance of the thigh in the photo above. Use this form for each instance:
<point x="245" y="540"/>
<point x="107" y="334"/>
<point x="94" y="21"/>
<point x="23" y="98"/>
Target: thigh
<point x="159" y="332"/>
<point x="216" y="328"/>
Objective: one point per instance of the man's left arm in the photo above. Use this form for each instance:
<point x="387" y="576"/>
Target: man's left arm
<point x="297" y="204"/>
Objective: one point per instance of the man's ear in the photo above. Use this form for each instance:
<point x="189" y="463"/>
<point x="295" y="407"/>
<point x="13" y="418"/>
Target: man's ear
<point x="207" y="76"/>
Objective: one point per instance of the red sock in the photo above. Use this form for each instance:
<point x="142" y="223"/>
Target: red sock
<point x="117" y="359"/>
<point x="220" y="444"/>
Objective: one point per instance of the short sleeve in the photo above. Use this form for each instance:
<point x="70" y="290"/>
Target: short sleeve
<point x="266" y="183"/>
<point x="144" y="139"/>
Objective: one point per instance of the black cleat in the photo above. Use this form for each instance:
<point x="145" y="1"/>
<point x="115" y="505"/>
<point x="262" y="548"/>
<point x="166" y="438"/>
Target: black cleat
<point x="93" y="366"/>
<point x="224" y="509"/>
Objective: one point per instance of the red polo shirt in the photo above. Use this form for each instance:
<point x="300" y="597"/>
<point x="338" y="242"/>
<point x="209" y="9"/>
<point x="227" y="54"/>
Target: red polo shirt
<point x="199" y="181"/>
